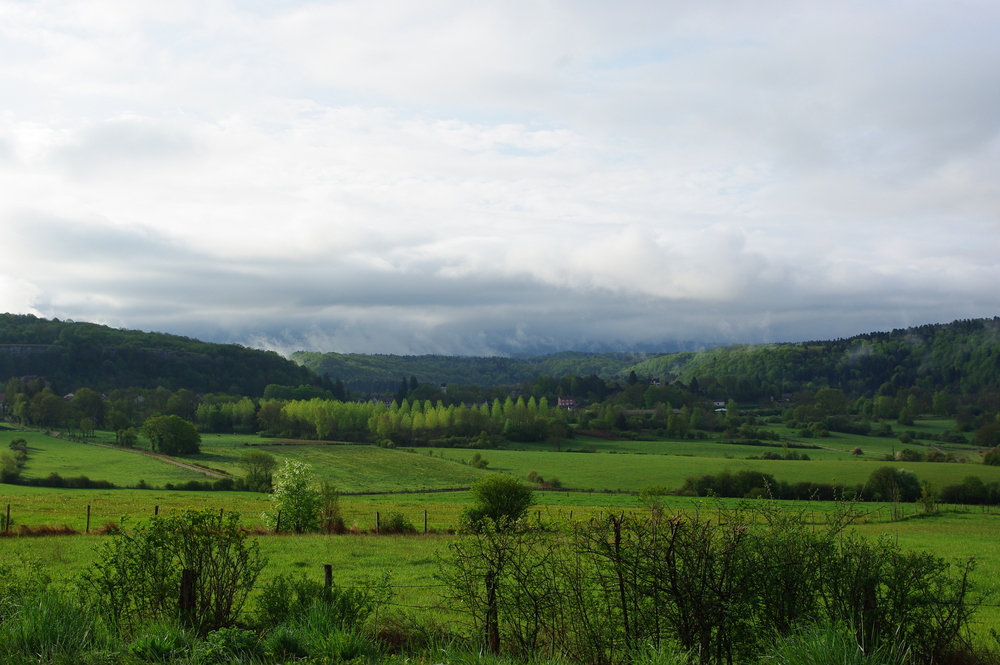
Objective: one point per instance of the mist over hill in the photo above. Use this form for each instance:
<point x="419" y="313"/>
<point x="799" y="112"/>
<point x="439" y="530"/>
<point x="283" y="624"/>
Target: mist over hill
<point x="957" y="357"/>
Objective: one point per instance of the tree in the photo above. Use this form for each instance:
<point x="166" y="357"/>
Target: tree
<point x="258" y="467"/>
<point x="126" y="437"/>
<point x="172" y="435"/>
<point x="498" y="500"/>
<point x="887" y="483"/>
<point x="87" y="427"/>
<point x="297" y="499"/>
<point x="90" y="404"/>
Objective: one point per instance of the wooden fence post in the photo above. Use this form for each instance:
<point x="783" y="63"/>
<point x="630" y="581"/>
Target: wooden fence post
<point x="88" y="518"/>
<point x="327" y="575"/>
<point x="277" y="523"/>
<point x="378" y="526"/>
<point x="425" y="520"/>
<point x="187" y="600"/>
<point x="156" y="510"/>
<point x="6" y="523"/>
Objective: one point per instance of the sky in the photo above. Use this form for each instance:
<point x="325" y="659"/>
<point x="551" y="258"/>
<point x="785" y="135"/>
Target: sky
<point x="513" y="177"/>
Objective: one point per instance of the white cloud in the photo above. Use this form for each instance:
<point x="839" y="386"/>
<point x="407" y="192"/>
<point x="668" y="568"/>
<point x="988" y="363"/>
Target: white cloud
<point x="385" y="175"/>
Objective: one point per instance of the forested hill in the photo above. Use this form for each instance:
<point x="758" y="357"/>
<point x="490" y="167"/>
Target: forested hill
<point x="376" y="373"/>
<point x="959" y="357"/>
<point x="74" y="355"/>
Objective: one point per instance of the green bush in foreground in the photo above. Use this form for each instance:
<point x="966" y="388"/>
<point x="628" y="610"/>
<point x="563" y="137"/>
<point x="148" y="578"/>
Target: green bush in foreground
<point x="720" y="587"/>
<point x="136" y="579"/>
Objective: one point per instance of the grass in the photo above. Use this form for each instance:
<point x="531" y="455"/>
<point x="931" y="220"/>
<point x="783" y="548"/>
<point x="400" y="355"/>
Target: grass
<point x="615" y="465"/>
<point x="49" y="454"/>
<point x="412" y="560"/>
<point x="632" y="472"/>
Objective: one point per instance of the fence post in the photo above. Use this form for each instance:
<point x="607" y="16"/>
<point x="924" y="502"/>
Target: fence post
<point x="88" y="518"/>
<point x="378" y="528"/>
<point x="187" y="601"/>
<point x="425" y="520"/>
<point x="156" y="510"/>
<point x="327" y="575"/>
<point x="6" y="523"/>
<point x="277" y="523"/>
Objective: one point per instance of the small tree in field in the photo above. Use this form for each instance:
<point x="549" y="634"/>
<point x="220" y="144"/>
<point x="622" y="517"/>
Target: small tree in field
<point x="503" y="500"/>
<point x="297" y="497"/>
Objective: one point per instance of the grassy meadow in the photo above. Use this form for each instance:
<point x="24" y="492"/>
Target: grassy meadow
<point x="597" y="475"/>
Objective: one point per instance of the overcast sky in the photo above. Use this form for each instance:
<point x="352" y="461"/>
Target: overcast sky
<point x="391" y="176"/>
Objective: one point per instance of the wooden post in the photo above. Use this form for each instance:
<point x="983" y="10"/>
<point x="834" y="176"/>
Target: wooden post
<point x="6" y="523"/>
<point x="425" y="520"/>
<point x="156" y="510"/>
<point x="221" y="510"/>
<point x="277" y="523"/>
<point x="327" y="575"/>
<point x="187" y="600"/>
<point x="378" y="527"/>
<point x="88" y="518"/>
<point x="571" y="514"/>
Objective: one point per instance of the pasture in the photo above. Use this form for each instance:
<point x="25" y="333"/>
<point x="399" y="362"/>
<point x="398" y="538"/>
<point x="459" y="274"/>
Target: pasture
<point x="410" y="481"/>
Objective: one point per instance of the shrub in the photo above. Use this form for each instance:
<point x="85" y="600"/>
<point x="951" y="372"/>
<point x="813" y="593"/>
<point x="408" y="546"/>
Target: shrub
<point x="297" y="498"/>
<point x="500" y="499"/>
<point x="137" y="576"/>
<point x="397" y="523"/>
<point x="226" y="645"/>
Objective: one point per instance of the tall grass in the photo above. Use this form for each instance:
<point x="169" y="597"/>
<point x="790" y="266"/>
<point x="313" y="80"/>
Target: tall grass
<point x="50" y="627"/>
<point x="823" y="645"/>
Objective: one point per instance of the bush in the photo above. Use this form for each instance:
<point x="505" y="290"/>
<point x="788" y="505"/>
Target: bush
<point x="297" y="498"/>
<point x="227" y="645"/>
<point x="501" y="499"/>
<point x="397" y="523"/>
<point x="136" y="578"/>
<point x="721" y="587"/>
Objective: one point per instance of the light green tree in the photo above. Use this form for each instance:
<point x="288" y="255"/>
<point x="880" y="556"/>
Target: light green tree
<point x="297" y="498"/>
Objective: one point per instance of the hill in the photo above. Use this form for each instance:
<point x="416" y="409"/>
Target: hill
<point x="961" y="357"/>
<point x="73" y="355"/>
<point x="377" y="373"/>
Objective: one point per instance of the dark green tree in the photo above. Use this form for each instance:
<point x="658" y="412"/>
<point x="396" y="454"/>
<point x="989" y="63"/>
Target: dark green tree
<point x="172" y="435"/>
<point x="258" y="468"/>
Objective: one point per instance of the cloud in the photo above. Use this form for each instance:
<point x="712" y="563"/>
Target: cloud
<point x="501" y="176"/>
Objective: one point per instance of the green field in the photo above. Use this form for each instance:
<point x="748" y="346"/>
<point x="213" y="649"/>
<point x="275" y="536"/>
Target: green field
<point x="603" y="479"/>
<point x="48" y="454"/>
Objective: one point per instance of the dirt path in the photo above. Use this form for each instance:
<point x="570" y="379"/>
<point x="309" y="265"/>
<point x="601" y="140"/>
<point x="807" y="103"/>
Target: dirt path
<point x="162" y="458"/>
